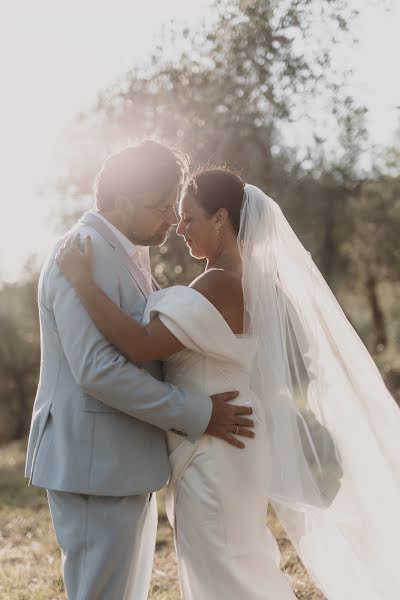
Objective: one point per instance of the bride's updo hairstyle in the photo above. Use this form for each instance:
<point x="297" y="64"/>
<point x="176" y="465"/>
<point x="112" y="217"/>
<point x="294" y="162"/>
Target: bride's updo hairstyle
<point x="218" y="187"/>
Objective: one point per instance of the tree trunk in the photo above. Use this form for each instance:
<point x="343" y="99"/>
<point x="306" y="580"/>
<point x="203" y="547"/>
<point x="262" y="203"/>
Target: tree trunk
<point x="378" y="317"/>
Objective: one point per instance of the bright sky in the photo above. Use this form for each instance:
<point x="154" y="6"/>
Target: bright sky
<point x="56" y="56"/>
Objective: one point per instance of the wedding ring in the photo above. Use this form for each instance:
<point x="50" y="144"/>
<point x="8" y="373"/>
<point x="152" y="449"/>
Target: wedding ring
<point x="237" y="429"/>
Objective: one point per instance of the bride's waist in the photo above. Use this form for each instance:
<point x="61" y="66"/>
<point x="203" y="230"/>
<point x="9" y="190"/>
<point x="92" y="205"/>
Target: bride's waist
<point x="246" y="397"/>
<point x="216" y="379"/>
<point x="210" y="380"/>
<point x="245" y="393"/>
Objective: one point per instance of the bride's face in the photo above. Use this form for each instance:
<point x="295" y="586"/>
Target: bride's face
<point x="196" y="227"/>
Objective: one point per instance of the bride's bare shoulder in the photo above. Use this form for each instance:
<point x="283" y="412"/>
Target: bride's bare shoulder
<point x="216" y="280"/>
<point x="224" y="290"/>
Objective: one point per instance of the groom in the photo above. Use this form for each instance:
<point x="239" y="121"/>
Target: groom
<point x="97" y="441"/>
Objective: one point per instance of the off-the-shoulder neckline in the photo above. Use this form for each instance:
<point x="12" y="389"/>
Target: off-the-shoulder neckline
<point x="210" y="304"/>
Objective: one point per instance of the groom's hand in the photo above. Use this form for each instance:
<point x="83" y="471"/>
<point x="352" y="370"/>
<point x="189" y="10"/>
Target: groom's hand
<point x="227" y="419"/>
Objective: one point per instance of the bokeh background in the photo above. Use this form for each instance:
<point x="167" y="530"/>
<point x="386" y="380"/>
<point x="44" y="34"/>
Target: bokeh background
<point x="301" y="96"/>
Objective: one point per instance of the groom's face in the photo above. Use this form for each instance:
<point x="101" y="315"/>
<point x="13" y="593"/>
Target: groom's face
<point x="149" y="218"/>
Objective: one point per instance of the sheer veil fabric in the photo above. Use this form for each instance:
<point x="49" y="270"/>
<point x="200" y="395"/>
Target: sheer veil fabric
<point x="333" y="427"/>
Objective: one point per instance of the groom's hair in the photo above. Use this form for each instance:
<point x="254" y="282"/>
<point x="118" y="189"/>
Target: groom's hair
<point x="136" y="170"/>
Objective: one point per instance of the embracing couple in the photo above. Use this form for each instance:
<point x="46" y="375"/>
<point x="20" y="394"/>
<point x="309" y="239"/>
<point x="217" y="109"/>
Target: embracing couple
<point x="246" y="387"/>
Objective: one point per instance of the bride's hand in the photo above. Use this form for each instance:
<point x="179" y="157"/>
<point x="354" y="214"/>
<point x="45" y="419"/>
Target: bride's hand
<point x="77" y="266"/>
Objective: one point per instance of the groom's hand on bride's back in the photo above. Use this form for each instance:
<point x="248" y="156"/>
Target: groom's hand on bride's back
<point x="229" y="420"/>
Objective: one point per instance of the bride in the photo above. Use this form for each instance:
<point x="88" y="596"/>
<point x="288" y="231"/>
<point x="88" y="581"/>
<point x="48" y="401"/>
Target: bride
<point x="262" y="320"/>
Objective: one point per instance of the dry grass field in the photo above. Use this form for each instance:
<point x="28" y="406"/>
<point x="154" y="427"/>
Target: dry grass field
<point x="29" y="556"/>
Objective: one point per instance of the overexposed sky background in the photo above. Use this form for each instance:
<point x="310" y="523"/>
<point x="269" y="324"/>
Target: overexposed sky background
<point x="55" y="57"/>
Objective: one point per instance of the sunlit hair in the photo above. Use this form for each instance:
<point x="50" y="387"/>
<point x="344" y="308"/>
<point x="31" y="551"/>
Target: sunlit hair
<point x="218" y="187"/>
<point x="146" y="167"/>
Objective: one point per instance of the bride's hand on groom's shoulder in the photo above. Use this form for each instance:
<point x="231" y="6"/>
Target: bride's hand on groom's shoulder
<point x="76" y="264"/>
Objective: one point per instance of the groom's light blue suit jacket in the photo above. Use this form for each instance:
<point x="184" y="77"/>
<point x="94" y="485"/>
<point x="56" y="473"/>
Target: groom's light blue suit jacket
<point x="99" y="422"/>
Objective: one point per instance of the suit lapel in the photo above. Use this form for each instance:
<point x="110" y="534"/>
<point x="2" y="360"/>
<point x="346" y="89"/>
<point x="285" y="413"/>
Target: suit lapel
<point x="106" y="233"/>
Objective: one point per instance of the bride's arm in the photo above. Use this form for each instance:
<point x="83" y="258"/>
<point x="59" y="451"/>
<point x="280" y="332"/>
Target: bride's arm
<point x="136" y="342"/>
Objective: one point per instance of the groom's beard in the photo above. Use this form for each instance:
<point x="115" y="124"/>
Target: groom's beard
<point x="157" y="239"/>
<point x="160" y="239"/>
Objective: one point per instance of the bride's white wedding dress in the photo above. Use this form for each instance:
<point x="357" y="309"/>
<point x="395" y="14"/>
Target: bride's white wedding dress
<point x="217" y="495"/>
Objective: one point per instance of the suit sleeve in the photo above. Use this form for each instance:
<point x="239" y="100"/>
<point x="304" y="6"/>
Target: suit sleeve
<point x="105" y="374"/>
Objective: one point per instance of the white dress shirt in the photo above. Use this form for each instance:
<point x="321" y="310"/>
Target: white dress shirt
<point x="139" y="255"/>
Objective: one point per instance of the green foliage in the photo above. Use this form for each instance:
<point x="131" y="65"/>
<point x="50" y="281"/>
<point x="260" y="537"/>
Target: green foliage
<point x="19" y="358"/>
<point x="225" y="99"/>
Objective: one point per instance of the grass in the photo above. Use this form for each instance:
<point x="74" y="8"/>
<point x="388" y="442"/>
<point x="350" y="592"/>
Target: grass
<point x="29" y="556"/>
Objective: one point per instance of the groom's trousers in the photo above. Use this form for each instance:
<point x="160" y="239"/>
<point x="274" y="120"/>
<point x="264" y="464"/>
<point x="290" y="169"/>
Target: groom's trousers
<point x="107" y="544"/>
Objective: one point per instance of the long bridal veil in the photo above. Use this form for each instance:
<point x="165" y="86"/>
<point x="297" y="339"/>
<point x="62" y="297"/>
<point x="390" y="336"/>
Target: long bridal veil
<point x="333" y="427"/>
